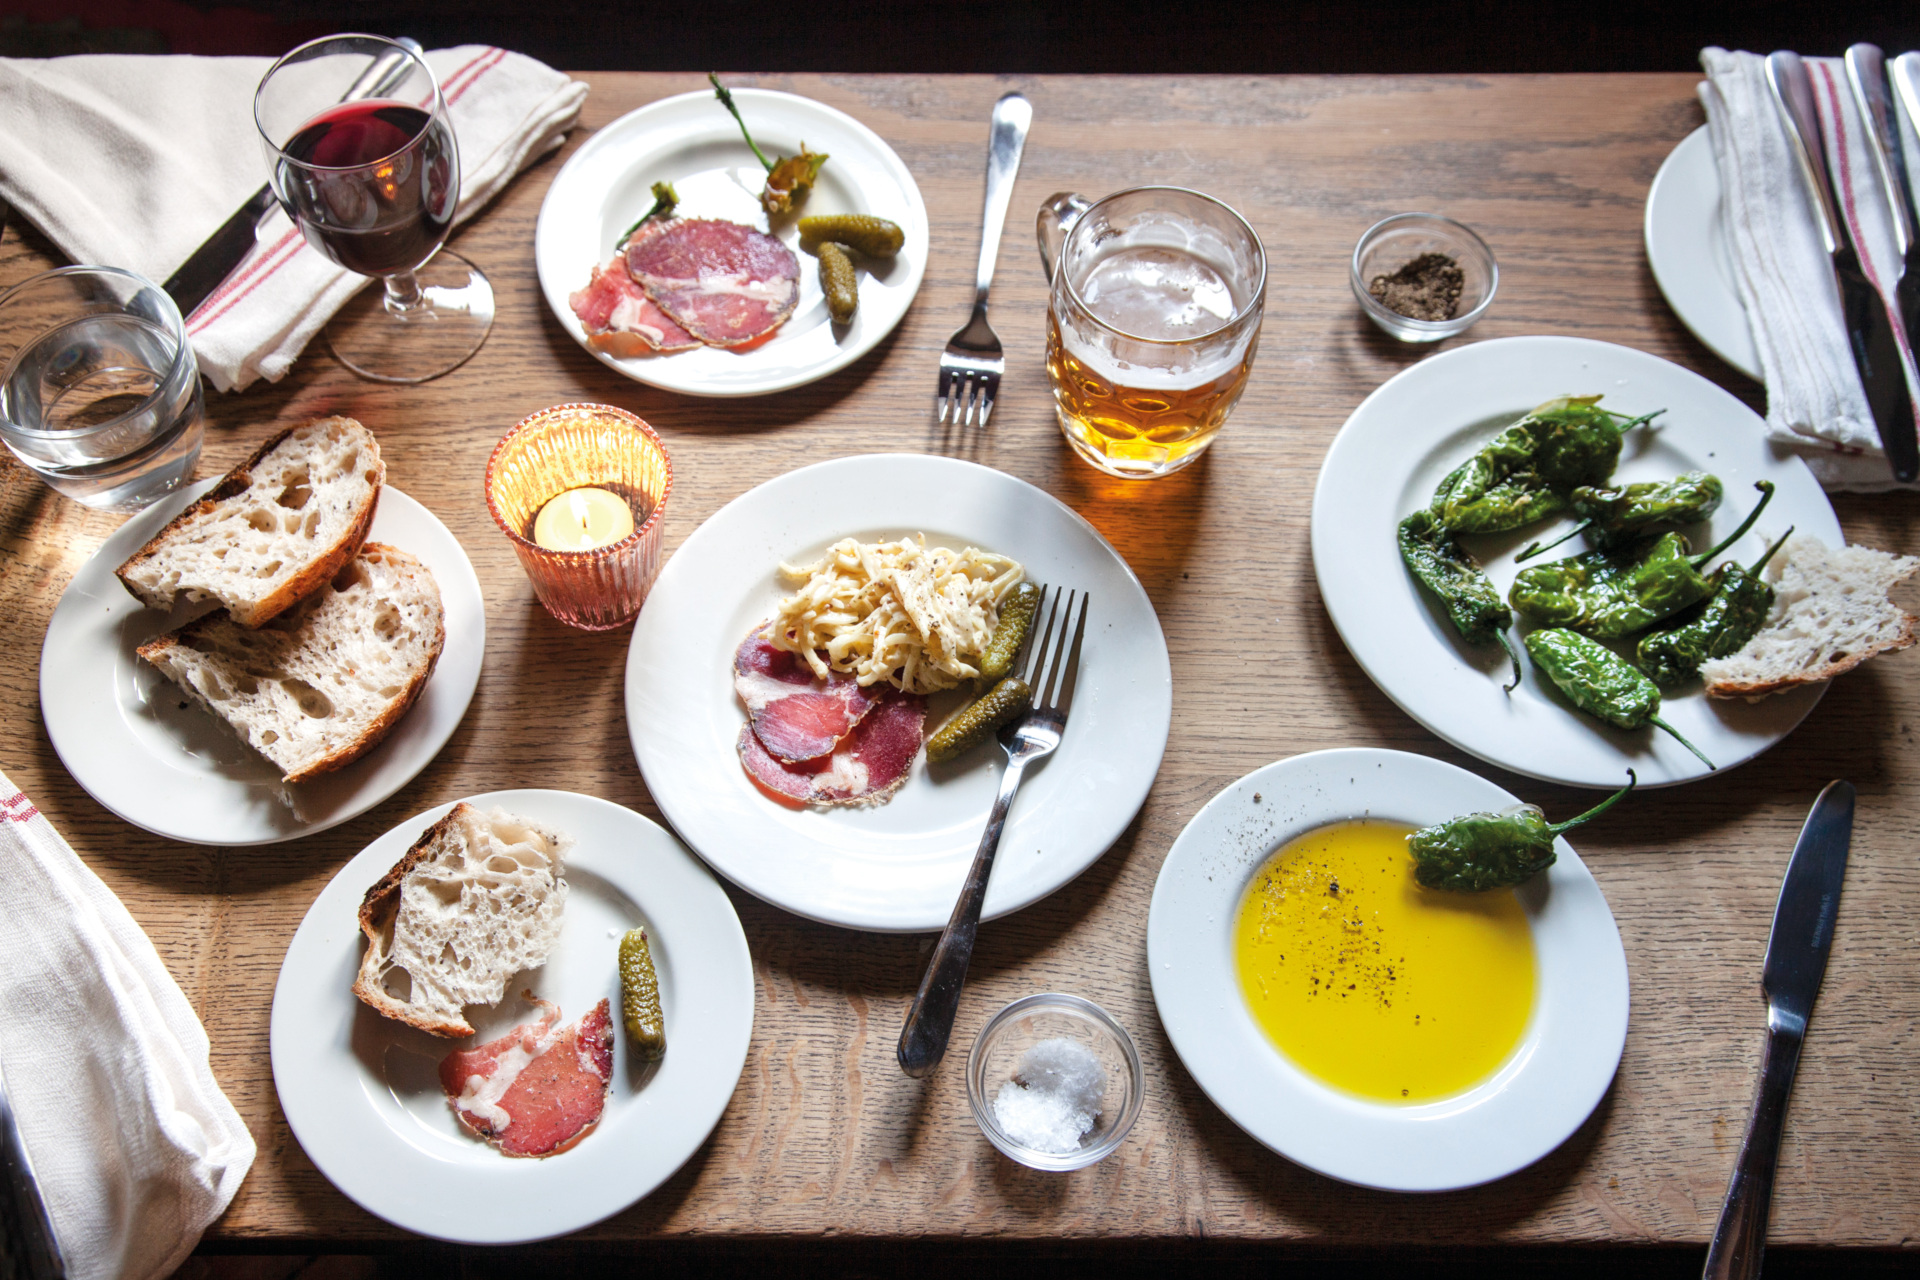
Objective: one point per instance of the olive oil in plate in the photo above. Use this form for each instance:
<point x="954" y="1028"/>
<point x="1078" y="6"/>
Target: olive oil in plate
<point x="1373" y="984"/>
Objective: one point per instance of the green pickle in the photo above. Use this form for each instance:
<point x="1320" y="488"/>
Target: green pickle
<point x="640" y="998"/>
<point x="1016" y="619"/>
<point x="1004" y="702"/>
<point x="838" y="282"/>
<point x="875" y="237"/>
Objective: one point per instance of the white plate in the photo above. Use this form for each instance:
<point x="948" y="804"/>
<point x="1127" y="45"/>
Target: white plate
<point x="898" y="867"/>
<point x="1691" y="259"/>
<point x="361" y="1093"/>
<point x="1421" y="424"/>
<point x="123" y="735"/>
<point x="1538" y="1097"/>
<point x="692" y="142"/>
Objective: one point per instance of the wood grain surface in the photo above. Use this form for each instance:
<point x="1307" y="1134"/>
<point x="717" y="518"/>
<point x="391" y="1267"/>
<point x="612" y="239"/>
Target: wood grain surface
<point x="825" y="1136"/>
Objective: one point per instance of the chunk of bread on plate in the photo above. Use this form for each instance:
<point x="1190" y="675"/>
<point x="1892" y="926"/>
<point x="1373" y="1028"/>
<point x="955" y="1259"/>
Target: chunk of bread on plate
<point x="1830" y="613"/>
<point x="319" y="687"/>
<point x="269" y="534"/>
<point x="477" y="899"/>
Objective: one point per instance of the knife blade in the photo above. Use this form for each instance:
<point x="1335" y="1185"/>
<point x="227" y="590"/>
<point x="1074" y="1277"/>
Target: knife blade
<point x="1876" y="351"/>
<point x="26" y="1232"/>
<point x="226" y="248"/>
<point x="1873" y="93"/>
<point x="1796" y="963"/>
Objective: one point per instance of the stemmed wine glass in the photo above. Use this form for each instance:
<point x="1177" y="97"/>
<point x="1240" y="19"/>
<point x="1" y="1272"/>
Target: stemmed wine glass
<point x="363" y="160"/>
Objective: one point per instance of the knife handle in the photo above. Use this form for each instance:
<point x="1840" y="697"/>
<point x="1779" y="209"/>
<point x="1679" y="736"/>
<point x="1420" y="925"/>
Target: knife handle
<point x="1741" y="1236"/>
<point x="1793" y="94"/>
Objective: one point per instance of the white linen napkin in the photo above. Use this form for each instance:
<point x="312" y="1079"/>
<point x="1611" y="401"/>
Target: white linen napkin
<point x="135" y="1147"/>
<point x="134" y="161"/>
<point x="1785" y="280"/>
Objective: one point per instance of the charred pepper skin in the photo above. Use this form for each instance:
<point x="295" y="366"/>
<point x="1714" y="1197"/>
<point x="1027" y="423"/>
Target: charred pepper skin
<point x="1613" y="517"/>
<point x="1443" y="567"/>
<point x="1718" y="628"/>
<point x="1528" y="471"/>
<point x="1481" y="851"/>
<point x="1600" y="682"/>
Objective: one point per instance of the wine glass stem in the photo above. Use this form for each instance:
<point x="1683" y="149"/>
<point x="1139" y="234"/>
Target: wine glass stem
<point x="405" y="297"/>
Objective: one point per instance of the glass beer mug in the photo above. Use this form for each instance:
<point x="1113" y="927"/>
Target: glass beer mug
<point x="1157" y="294"/>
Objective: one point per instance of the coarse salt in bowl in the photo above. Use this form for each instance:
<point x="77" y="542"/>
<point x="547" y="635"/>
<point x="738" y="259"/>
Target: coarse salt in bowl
<point x="1054" y="1082"/>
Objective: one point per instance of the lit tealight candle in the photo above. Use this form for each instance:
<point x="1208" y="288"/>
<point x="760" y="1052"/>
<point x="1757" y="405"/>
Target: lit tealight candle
<point x="583" y="520"/>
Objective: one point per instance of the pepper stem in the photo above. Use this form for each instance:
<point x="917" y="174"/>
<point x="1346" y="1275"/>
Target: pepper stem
<point x="1598" y="809"/>
<point x="1766" y="490"/>
<point x="726" y="100"/>
<point x="1658" y="723"/>
<point x="1761" y="563"/>
<point x="1537" y="546"/>
<point x="1513" y="657"/>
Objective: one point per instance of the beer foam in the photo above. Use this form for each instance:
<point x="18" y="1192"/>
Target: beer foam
<point x="1163" y="283"/>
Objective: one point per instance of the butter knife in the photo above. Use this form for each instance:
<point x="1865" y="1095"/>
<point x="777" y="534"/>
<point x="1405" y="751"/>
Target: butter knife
<point x="1876" y="352"/>
<point x="1868" y="75"/>
<point x="1796" y="962"/>
<point x="228" y="247"/>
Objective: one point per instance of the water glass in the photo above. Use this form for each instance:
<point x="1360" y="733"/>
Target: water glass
<point x="99" y="391"/>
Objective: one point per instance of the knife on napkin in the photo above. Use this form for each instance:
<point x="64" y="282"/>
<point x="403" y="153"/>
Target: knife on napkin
<point x="26" y="1232"/>
<point x="1796" y="962"/>
<point x="1868" y="74"/>
<point x="1876" y="352"/>
<point x="226" y="248"/>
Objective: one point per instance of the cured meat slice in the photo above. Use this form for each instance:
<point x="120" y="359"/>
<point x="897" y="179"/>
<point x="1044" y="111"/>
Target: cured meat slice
<point x="725" y="283"/>
<point x="621" y="319"/>
<point x="795" y="716"/>
<point x="537" y="1090"/>
<point x="867" y="767"/>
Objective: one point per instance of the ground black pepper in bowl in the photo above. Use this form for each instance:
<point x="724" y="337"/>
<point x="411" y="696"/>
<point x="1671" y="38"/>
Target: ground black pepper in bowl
<point x="1426" y="288"/>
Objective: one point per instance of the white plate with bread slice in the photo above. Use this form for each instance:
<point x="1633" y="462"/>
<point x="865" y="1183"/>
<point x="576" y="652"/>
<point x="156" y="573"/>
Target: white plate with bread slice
<point x="307" y="685"/>
<point x="362" y="1092"/>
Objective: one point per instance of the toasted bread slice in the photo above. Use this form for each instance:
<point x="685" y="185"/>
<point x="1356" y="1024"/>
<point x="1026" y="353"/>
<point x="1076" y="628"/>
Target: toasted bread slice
<point x="321" y="686"/>
<point x="1831" y="613"/>
<point x="278" y="526"/>
<point x="477" y="899"/>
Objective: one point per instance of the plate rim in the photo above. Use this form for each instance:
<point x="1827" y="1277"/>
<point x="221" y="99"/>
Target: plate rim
<point x="401" y="835"/>
<point x="636" y="369"/>
<point x="1691" y="160"/>
<point x="1168" y="959"/>
<point x="686" y="823"/>
<point x="464" y="676"/>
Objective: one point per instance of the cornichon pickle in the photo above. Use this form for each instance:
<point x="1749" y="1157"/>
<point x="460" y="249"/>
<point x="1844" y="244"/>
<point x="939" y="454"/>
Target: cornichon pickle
<point x="1016" y="619"/>
<point x="640" y="997"/>
<point x="838" y="282"/>
<point x="875" y="237"/>
<point x="1006" y="700"/>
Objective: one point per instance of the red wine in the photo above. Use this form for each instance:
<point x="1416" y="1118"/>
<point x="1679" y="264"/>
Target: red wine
<point x="379" y="196"/>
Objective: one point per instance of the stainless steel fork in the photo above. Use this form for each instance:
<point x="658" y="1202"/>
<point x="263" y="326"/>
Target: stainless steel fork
<point x="972" y="364"/>
<point x="1051" y="665"/>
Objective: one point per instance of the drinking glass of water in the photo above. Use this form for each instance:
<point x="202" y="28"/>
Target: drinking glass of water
<point x="1157" y="295"/>
<point x="99" y="391"/>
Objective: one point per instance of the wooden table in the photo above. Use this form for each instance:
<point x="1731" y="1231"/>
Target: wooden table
<point x="824" y="1135"/>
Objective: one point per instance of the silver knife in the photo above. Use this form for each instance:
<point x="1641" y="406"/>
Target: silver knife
<point x="1876" y="352"/>
<point x="25" y="1229"/>
<point x="1867" y="73"/>
<point x="226" y="248"/>
<point x="1796" y="962"/>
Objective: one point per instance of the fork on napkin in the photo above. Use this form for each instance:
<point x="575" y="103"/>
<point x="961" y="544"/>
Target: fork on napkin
<point x="133" y="161"/>
<point x="1814" y="401"/>
<point x="135" y="1148"/>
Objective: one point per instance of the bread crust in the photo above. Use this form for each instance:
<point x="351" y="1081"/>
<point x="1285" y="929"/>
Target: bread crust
<point x="1728" y="689"/>
<point x="378" y="910"/>
<point x="235" y="483"/>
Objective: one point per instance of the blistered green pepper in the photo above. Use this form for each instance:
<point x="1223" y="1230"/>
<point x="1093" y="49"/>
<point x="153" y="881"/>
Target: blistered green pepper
<point x="790" y="178"/>
<point x="1718" y="627"/>
<point x="1481" y="851"/>
<point x="1612" y="594"/>
<point x="1529" y="470"/>
<point x="1443" y="567"/>
<point x="1613" y="517"/>
<point x="1600" y="682"/>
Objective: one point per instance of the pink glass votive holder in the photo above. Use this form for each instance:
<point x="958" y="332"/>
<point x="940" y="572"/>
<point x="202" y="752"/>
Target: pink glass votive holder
<point x="571" y="446"/>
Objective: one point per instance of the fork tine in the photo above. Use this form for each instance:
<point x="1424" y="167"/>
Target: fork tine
<point x="1037" y="637"/>
<point x="940" y="400"/>
<point x="1072" y="673"/>
<point x="990" y="385"/>
<point x="1044" y="692"/>
<point x="974" y="386"/>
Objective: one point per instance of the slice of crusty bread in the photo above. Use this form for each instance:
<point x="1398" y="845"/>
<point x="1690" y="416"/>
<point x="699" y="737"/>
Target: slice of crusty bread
<point x="476" y="900"/>
<point x="280" y="524"/>
<point x="1830" y="614"/>
<point x="318" y="687"/>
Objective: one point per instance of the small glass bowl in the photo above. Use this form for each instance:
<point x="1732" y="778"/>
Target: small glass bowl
<point x="1391" y="243"/>
<point x="1025" y="1023"/>
<point x="567" y="447"/>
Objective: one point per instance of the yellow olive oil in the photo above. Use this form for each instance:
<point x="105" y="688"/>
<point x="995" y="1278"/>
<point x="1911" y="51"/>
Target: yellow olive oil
<point x="1373" y="984"/>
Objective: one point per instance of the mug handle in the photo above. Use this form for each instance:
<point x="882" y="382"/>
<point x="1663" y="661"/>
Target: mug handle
<point x="1056" y="220"/>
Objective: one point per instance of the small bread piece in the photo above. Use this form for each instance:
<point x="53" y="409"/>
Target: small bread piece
<point x="1830" y="614"/>
<point x="476" y="900"/>
<point x="319" y="687"/>
<point x="273" y="531"/>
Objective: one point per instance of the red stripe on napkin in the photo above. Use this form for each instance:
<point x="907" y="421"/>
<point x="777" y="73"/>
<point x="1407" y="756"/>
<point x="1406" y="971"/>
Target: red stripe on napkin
<point x="284" y="250"/>
<point x="17" y="808"/>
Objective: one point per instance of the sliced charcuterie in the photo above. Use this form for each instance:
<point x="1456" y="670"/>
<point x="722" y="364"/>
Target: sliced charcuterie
<point x="724" y="283"/>
<point x="796" y="717"/>
<point x="868" y="766"/>
<point x="537" y="1090"/>
<point x="620" y="318"/>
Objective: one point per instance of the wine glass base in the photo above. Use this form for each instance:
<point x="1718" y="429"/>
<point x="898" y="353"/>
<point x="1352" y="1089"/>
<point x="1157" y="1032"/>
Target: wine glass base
<point x="415" y="346"/>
